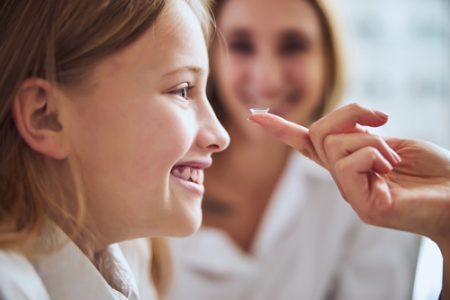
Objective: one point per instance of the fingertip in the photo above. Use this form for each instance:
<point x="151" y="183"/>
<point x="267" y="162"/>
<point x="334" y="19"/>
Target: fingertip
<point x="381" y="115"/>
<point x="266" y="119"/>
<point x="372" y="119"/>
<point x="397" y="157"/>
<point x="253" y="118"/>
<point x="257" y="119"/>
<point x="381" y="118"/>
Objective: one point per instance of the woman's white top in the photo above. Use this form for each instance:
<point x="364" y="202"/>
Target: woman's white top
<point x="428" y="283"/>
<point x="310" y="245"/>
<point x="68" y="274"/>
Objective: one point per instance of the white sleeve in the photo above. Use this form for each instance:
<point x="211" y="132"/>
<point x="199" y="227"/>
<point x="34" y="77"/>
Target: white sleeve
<point x="379" y="264"/>
<point x="18" y="279"/>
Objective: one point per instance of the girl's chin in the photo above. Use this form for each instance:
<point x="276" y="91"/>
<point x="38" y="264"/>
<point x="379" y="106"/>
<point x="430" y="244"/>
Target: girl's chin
<point x="188" y="225"/>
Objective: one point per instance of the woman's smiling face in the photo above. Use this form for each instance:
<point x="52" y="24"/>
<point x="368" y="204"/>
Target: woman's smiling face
<point x="275" y="58"/>
<point x="145" y="131"/>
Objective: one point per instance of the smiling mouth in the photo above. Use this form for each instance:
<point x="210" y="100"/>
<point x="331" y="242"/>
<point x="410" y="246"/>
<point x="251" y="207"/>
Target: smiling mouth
<point x="188" y="173"/>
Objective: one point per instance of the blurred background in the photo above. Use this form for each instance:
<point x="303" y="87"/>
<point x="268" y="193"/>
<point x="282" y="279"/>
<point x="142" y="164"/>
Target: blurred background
<point x="398" y="58"/>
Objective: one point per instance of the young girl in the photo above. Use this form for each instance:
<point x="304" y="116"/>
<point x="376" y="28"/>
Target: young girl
<point x="275" y="226"/>
<point x="105" y="131"/>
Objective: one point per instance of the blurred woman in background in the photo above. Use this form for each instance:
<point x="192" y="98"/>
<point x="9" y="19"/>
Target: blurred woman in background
<point x="275" y="226"/>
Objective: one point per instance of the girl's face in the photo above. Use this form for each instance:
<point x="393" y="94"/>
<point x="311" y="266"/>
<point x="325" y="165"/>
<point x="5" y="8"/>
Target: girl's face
<point x="143" y="131"/>
<point x="275" y="58"/>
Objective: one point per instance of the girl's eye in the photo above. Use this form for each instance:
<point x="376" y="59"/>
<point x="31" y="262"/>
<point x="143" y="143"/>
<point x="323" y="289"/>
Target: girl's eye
<point x="183" y="91"/>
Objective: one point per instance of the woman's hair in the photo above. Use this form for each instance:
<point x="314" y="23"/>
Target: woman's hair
<point x="61" y="42"/>
<point x="334" y="83"/>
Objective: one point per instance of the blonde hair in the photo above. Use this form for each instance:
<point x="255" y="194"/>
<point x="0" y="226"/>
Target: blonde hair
<point x="335" y="81"/>
<point x="61" y="42"/>
<point x="334" y="53"/>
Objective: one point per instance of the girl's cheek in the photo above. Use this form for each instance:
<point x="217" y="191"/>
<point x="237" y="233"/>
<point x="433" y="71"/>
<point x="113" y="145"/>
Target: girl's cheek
<point x="183" y="128"/>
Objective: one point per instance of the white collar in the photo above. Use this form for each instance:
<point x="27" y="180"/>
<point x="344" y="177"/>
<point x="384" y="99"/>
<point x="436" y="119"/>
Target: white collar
<point x="68" y="274"/>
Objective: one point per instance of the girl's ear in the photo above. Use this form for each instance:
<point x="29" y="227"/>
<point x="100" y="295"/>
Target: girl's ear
<point x="37" y="117"/>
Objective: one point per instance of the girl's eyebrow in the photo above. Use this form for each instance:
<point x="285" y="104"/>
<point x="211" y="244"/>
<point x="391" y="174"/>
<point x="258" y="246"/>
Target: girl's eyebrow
<point x="187" y="69"/>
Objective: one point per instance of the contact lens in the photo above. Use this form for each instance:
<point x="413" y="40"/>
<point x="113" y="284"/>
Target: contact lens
<point x="262" y="110"/>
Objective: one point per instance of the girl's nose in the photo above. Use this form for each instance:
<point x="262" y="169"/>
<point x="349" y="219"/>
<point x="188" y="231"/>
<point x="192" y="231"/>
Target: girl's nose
<point x="212" y="136"/>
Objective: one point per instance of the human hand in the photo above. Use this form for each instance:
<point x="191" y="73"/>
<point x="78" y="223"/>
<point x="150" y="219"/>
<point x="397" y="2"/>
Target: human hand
<point x="397" y="183"/>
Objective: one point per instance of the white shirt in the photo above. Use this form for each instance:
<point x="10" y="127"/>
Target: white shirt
<point x="68" y="274"/>
<point x="310" y="245"/>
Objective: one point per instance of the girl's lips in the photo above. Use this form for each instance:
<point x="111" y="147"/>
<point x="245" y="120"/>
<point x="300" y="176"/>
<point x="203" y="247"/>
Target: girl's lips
<point x="198" y="189"/>
<point x="191" y="174"/>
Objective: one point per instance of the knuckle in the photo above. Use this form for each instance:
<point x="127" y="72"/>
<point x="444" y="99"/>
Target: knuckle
<point x="332" y="144"/>
<point x="354" y="107"/>
<point x="313" y="129"/>
<point x="340" y="167"/>
<point x="371" y="153"/>
<point x="329" y="142"/>
<point x="316" y="136"/>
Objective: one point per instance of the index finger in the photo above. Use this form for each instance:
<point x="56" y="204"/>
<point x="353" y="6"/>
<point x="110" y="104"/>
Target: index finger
<point x="288" y="132"/>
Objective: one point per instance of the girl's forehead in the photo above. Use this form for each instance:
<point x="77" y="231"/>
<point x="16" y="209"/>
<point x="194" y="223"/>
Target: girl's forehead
<point x="178" y="35"/>
<point x="175" y="37"/>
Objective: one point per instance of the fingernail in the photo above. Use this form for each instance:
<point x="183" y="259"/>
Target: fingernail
<point x="390" y="167"/>
<point x="397" y="157"/>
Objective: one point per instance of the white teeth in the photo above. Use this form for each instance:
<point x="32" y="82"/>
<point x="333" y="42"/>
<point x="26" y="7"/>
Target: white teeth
<point x="189" y="174"/>
<point x="200" y="177"/>
<point x="176" y="172"/>
<point x="194" y="175"/>
<point x="186" y="174"/>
